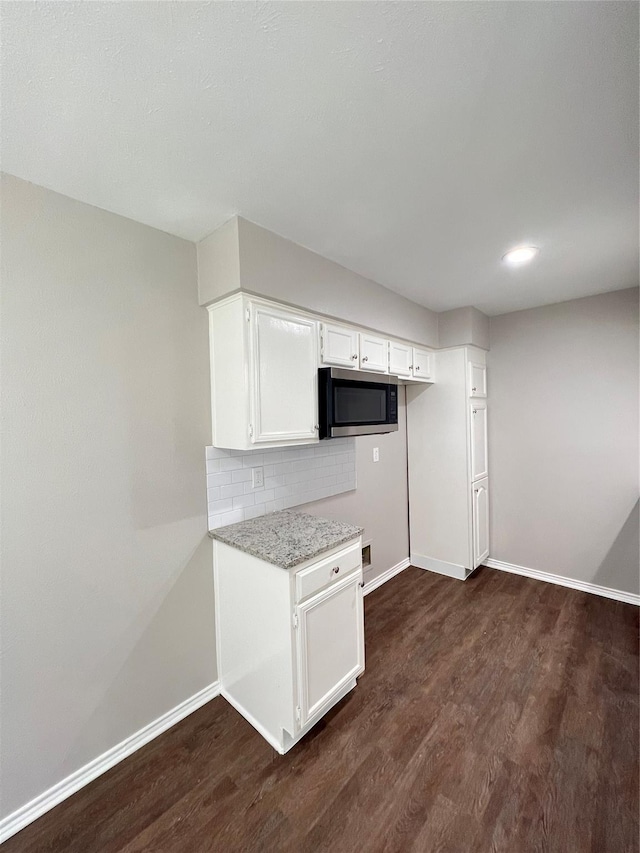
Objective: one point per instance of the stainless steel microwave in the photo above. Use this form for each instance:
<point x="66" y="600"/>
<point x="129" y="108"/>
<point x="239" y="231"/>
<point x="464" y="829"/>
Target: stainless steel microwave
<point x="352" y="402"/>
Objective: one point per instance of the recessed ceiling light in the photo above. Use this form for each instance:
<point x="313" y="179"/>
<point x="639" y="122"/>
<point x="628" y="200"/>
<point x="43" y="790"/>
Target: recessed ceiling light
<point x="521" y="255"/>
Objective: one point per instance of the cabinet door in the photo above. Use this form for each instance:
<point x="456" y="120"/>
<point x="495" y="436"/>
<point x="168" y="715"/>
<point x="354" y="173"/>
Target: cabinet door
<point x="422" y="364"/>
<point x="374" y="353"/>
<point x="477" y="380"/>
<point x="400" y="359"/>
<point x="284" y="371"/>
<point x="330" y="645"/>
<point x="339" y="346"/>
<point x="479" y="461"/>
<point x="480" y="521"/>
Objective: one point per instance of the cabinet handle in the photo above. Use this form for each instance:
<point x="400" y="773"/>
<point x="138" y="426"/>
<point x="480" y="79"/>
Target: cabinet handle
<point x="366" y="358"/>
<point x="418" y="367"/>
<point x="336" y="569"/>
<point x="355" y="357"/>
<point x="411" y="367"/>
<point x="475" y="411"/>
<point x="317" y="427"/>
<point x="361" y="584"/>
<point x="474" y="389"/>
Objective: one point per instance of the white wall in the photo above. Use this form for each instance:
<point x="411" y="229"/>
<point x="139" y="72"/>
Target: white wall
<point x="563" y="439"/>
<point x="107" y="598"/>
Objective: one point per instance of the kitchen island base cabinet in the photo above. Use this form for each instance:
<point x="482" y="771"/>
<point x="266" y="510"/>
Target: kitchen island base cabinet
<point x="290" y="642"/>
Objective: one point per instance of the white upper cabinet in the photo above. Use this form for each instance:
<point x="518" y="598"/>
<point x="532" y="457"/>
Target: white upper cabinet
<point x="479" y="461"/>
<point x="400" y="359"/>
<point x="410" y="362"/>
<point x="284" y="359"/>
<point x="264" y="368"/>
<point x="374" y="353"/>
<point x="422" y="364"/>
<point x="339" y="345"/>
<point x="477" y="379"/>
<point x="480" y="505"/>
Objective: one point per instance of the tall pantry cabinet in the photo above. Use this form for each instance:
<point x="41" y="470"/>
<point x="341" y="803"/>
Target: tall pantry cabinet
<point x="448" y="465"/>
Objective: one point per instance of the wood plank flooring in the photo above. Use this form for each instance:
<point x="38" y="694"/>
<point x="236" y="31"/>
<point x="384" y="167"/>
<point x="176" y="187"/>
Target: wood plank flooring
<point x="500" y="714"/>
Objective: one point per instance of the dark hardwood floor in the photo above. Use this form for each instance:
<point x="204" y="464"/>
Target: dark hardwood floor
<point x="500" y="714"/>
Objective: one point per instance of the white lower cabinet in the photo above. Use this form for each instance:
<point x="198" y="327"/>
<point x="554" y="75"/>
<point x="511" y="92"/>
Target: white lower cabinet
<point x="290" y="642"/>
<point x="330" y="645"/>
<point x="480" y="504"/>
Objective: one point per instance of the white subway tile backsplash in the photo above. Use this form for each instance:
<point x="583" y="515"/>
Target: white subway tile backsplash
<point x="231" y="463"/>
<point x="221" y="506"/>
<point x="253" y="511"/>
<point x="243" y="501"/>
<point x="273" y="482"/>
<point x="221" y="479"/>
<point x="275" y="506"/>
<point x="292" y="476"/>
<point x="232" y="491"/>
<point x="283" y="491"/>
<point x="228" y="518"/>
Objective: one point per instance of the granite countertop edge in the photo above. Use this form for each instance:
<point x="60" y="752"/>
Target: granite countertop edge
<point x="286" y="539"/>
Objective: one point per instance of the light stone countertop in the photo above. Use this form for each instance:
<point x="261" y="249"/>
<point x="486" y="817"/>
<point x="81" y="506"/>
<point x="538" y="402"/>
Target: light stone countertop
<point x="286" y="538"/>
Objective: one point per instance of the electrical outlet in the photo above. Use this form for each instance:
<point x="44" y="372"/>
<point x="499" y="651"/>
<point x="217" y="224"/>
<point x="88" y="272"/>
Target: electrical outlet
<point x="376" y="454"/>
<point x="257" y="478"/>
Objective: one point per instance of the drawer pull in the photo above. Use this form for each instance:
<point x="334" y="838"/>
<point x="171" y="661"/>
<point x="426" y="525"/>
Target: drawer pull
<point x="336" y="569"/>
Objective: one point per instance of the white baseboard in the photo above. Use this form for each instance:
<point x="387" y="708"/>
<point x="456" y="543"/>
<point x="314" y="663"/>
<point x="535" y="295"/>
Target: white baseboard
<point x="252" y="721"/>
<point x="561" y="580"/>
<point x="44" y="802"/>
<point x="383" y="577"/>
<point x="441" y="567"/>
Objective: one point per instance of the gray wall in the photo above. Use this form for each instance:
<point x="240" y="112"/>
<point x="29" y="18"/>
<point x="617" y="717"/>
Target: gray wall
<point x="379" y="503"/>
<point x="107" y="598"/>
<point x="279" y="269"/>
<point x="462" y="326"/>
<point x="563" y="439"/>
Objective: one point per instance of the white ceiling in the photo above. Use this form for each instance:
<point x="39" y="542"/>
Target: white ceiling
<point x="412" y="142"/>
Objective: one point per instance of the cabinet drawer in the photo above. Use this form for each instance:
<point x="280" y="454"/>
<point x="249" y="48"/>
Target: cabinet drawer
<point x="329" y="570"/>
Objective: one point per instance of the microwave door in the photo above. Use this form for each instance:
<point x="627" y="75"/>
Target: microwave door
<point x="355" y="405"/>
